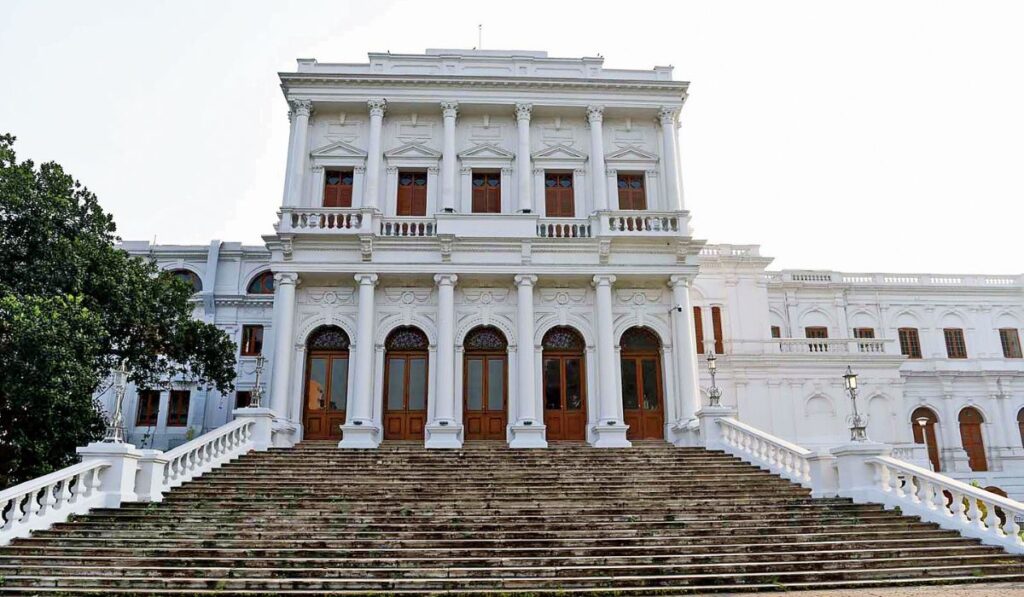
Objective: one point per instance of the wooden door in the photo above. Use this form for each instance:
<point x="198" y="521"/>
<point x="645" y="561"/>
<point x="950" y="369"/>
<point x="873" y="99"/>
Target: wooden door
<point x="405" y="384"/>
<point x="565" y="398"/>
<point x="412" y="194"/>
<point x="972" y="440"/>
<point x="486" y="192"/>
<point x="642" y="394"/>
<point x="631" y="192"/>
<point x="485" y="384"/>
<point x="925" y="434"/>
<point x="326" y="383"/>
<point x="558" y="195"/>
<point x="338" y="188"/>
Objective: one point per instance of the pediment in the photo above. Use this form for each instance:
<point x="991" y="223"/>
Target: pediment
<point x="559" y="152"/>
<point x="338" y="149"/>
<point x="487" y="151"/>
<point x="631" y="154"/>
<point x="413" y="150"/>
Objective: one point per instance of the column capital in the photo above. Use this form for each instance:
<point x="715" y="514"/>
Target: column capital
<point x="604" y="280"/>
<point x="450" y="108"/>
<point x="506" y="171"/>
<point x="285" y="278"/>
<point x="291" y="114"/>
<point x="525" y="280"/>
<point x="366" y="279"/>
<point x="377" y="106"/>
<point x="677" y="281"/>
<point x="595" y="113"/>
<point x="668" y="114"/>
<point x="446" y="279"/>
<point x="523" y="111"/>
<point x="301" y="107"/>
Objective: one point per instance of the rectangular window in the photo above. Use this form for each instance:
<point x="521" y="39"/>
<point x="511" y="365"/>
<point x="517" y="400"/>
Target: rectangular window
<point x="149" y="408"/>
<point x="910" y="343"/>
<point x="1010" y="339"/>
<point x="632" y="194"/>
<point x="816" y="332"/>
<point x="863" y="332"/>
<point x="338" y="188"/>
<point x="177" y="412"/>
<point x="776" y="331"/>
<point x="716" y="324"/>
<point x="558" y="195"/>
<point x="486" y="192"/>
<point x="252" y="340"/>
<point x="412" y="193"/>
<point x="698" y="329"/>
<point x="956" y="348"/>
<point x="243" y="398"/>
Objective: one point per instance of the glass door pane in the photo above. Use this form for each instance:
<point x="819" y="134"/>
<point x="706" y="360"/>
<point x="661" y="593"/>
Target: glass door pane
<point x="496" y="383"/>
<point x="630" y="400"/>
<point x="417" y="383"/>
<point x="316" y="391"/>
<point x="396" y="383"/>
<point x="474" y="383"/>
<point x="573" y="384"/>
<point x="339" y="382"/>
<point x="649" y="369"/>
<point x="552" y="384"/>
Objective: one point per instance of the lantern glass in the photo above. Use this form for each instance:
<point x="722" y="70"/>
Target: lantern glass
<point x="851" y="379"/>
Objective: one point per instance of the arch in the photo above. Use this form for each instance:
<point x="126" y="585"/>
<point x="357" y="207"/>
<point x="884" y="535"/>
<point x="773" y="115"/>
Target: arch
<point x="261" y="283"/>
<point x="924" y="423"/>
<point x="406" y="382"/>
<point x="485" y="338"/>
<point x="819" y="406"/>
<point x="880" y="423"/>
<point x="407" y="338"/>
<point x="303" y="332"/>
<point x="906" y="319"/>
<point x="485" y="383"/>
<point x="775" y="317"/>
<point x="971" y="438"/>
<point x="325" y="385"/>
<point x="1020" y="424"/>
<point x="652" y="325"/>
<point x="814" y="317"/>
<point x="863" y="318"/>
<point x="189" y="276"/>
<point x="328" y="337"/>
<point x="393" y="321"/>
<point x="640" y="339"/>
<point x="553" y="320"/>
<point x="500" y="322"/>
<point x="564" y="383"/>
<point x="563" y="338"/>
<point x="952" y="318"/>
<point x="643" y="397"/>
<point x="1007" y="319"/>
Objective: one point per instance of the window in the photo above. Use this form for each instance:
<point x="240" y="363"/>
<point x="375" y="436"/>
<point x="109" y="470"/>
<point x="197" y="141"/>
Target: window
<point x="816" y="332"/>
<point x="631" y="191"/>
<point x="177" y="413"/>
<point x="149" y="408"/>
<point x="1010" y="340"/>
<point x="252" y="340"/>
<point x="558" y="195"/>
<point x="486" y="192"/>
<point x="338" y="188"/>
<point x="698" y="329"/>
<point x="776" y="331"/>
<point x="262" y="284"/>
<point x="243" y="398"/>
<point x="189" y="277"/>
<point x="956" y="348"/>
<point x="863" y="332"/>
<point x="910" y="343"/>
<point x="716" y="325"/>
<point x="412" y="193"/>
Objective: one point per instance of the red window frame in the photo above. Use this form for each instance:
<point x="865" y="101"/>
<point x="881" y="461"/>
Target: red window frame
<point x="148" y="410"/>
<point x="252" y="340"/>
<point x="632" y="191"/>
<point x="177" y="409"/>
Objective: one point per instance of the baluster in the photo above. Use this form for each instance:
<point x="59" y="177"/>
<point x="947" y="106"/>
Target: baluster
<point x="957" y="507"/>
<point x="1012" y="528"/>
<point x="974" y="516"/>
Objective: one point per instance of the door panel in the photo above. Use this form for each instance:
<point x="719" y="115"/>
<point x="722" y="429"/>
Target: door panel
<point x="484" y="396"/>
<point x="565" y="413"/>
<point x="642" y="400"/>
<point x="405" y="412"/>
<point x="326" y="395"/>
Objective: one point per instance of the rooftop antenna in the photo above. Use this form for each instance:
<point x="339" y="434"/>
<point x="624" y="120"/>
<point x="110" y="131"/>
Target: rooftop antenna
<point x="480" y="37"/>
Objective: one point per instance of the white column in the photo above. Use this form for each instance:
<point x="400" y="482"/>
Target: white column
<point x="610" y="431"/>
<point x="443" y="431"/>
<point x="528" y="430"/>
<point x="297" y="160"/>
<point x="360" y="431"/>
<point x="669" y="159"/>
<point x="466" y="184"/>
<point x="523" y="156"/>
<point x="450" y="111"/>
<point x="685" y="348"/>
<point x="595" y="116"/>
<point x="371" y="187"/>
<point x="284" y="318"/>
<point x="288" y="156"/>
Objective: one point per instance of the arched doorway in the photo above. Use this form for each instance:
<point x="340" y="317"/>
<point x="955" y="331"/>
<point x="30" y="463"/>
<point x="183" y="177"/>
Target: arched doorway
<point x="565" y="396"/>
<point x="642" y="394"/>
<point x="923" y="421"/>
<point x="405" y="383"/>
<point x="1020" y="424"/>
<point x="485" y="383"/>
<point x="971" y="438"/>
<point x="326" y="387"/>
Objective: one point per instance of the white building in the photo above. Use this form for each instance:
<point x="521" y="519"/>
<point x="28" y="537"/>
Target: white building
<point x="495" y="245"/>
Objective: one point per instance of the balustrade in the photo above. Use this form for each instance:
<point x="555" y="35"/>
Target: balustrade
<point x="52" y="498"/>
<point x="407" y="227"/>
<point x="562" y="228"/>
<point x="208" y="451"/>
<point x="322" y="220"/>
<point x="775" y="454"/>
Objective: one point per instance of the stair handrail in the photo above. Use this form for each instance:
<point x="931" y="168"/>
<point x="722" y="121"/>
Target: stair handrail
<point x="206" y="452"/>
<point x="764" y="449"/>
<point x="40" y="502"/>
<point x="921" y="492"/>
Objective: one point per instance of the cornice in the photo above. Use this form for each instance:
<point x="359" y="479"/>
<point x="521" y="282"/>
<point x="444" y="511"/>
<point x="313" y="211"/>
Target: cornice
<point x="291" y="80"/>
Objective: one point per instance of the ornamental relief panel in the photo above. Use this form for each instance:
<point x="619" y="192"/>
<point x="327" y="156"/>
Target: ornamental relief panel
<point x="408" y="296"/>
<point x="563" y="296"/>
<point x="639" y="296"/>
<point x="327" y="297"/>
<point x="485" y="296"/>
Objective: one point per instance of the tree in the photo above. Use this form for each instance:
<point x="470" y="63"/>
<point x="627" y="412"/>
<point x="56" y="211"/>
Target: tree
<point x="73" y="306"/>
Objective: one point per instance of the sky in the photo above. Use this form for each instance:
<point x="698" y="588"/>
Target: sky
<point x="856" y="136"/>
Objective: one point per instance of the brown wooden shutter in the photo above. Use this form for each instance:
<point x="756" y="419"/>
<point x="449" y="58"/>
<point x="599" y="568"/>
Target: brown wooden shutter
<point x="698" y="329"/>
<point x="558" y="195"/>
<point x="972" y="440"/>
<point x="338" y="188"/>
<point x="412" y="194"/>
<point x="716" y="322"/>
<point x="632" y="194"/>
<point x="486" y="192"/>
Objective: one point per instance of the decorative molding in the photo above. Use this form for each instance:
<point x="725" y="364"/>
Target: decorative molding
<point x="523" y="111"/>
<point x="450" y="109"/>
<point x="377" y="106"/>
<point x="302" y="107"/>
<point x="668" y="114"/>
<point x="595" y="113"/>
<point x="486" y="296"/>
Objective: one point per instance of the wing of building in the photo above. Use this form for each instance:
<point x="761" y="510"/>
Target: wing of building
<point x="495" y="245"/>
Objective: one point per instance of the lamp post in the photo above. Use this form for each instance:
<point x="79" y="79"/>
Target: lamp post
<point x="858" y="426"/>
<point x="115" y="429"/>
<point x="257" y="389"/>
<point x="714" y="394"/>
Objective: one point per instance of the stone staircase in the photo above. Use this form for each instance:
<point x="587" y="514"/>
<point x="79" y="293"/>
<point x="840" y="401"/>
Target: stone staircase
<point x="653" y="519"/>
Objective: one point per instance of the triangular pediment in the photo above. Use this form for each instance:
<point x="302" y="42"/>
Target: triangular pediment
<point x="412" y="150"/>
<point x="487" y="151"/>
<point x="338" y="149"/>
<point x="559" y="152"/>
<point x="631" y="154"/>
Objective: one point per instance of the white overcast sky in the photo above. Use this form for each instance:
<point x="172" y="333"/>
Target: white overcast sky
<point x="859" y="136"/>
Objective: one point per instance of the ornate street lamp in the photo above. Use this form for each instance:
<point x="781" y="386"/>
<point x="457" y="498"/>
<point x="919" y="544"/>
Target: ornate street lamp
<point x="115" y="428"/>
<point x="714" y="394"/>
<point x="256" y="394"/>
<point x="858" y="426"/>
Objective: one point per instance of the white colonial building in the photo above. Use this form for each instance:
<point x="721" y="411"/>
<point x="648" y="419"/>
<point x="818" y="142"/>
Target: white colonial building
<point x="495" y="245"/>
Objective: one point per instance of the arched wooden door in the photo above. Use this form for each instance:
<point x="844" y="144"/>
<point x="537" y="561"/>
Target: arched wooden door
<point x="642" y="395"/>
<point x="485" y="383"/>
<point x="925" y="434"/>
<point x="565" y="396"/>
<point x="405" y="383"/>
<point x="326" y="387"/>
<point x="970" y="437"/>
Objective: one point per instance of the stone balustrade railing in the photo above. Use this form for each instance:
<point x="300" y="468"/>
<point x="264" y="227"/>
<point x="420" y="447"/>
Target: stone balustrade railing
<point x="884" y="279"/>
<point x="564" y="228"/>
<point x="947" y="502"/>
<point x="49" y="499"/>
<point x="325" y="220"/>
<point x="407" y="227"/>
<point x="640" y="223"/>
<point x="820" y="345"/>
<point x="207" y="452"/>
<point x="775" y="454"/>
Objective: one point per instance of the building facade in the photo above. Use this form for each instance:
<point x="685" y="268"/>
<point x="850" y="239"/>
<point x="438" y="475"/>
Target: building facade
<point x="495" y="245"/>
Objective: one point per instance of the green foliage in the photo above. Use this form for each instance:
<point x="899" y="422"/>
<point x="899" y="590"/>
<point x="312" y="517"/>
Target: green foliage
<point x="72" y="307"/>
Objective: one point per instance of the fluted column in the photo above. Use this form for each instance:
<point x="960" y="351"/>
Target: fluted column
<point x="371" y="187"/>
<point x="595" y="116"/>
<point x="610" y="430"/>
<point x="685" y="348"/>
<point x="525" y="203"/>
<point x="288" y="157"/>
<point x="444" y="430"/>
<point x="360" y="430"/>
<point x="669" y="158"/>
<point x="284" y="318"/>
<point x="528" y="429"/>
<point x="301" y="110"/>
<point x="450" y="111"/>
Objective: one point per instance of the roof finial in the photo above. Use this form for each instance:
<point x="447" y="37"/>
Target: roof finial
<point x="480" y="37"/>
